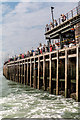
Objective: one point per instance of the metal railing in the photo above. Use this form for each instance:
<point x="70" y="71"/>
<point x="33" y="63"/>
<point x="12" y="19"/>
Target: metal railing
<point x="69" y="15"/>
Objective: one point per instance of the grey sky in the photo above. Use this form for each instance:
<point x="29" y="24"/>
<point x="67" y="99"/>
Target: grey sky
<point x="24" y="24"/>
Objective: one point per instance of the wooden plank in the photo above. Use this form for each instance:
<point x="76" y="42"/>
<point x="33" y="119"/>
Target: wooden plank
<point x="55" y="58"/>
<point x="71" y="48"/>
<point x="62" y="57"/>
<point x="47" y="59"/>
<point x="77" y="75"/>
<point x="71" y="56"/>
<point x="57" y="75"/>
<point x="44" y="78"/>
<point x="66" y="74"/>
<point x="41" y="60"/>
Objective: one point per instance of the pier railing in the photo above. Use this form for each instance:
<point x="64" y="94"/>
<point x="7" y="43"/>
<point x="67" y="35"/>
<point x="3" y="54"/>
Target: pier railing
<point x="72" y="13"/>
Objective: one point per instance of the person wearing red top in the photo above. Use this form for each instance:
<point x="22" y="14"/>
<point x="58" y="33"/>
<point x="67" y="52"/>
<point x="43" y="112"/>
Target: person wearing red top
<point x="50" y="48"/>
<point x="41" y="50"/>
<point x="22" y="55"/>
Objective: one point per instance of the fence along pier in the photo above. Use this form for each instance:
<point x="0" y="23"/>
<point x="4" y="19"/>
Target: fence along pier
<point x="57" y="72"/>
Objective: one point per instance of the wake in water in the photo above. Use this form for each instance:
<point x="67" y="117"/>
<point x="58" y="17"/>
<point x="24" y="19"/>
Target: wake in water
<point x="20" y="101"/>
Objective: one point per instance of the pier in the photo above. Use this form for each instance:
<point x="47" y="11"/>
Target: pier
<point x="58" y="71"/>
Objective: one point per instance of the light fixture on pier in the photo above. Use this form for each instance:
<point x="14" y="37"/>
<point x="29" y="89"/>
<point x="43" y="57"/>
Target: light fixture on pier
<point x="52" y="8"/>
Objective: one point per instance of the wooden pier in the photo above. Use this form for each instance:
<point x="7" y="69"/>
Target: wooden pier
<point x="57" y="72"/>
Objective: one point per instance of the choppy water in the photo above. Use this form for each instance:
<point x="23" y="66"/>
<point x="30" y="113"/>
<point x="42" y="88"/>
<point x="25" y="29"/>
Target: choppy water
<point x="18" y="101"/>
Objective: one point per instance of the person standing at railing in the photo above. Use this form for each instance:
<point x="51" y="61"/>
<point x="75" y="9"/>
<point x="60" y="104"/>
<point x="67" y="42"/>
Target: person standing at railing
<point x="22" y="56"/>
<point x="47" y="27"/>
<point x="51" y="25"/>
<point x="63" y="17"/>
<point x="41" y="51"/>
<point x="55" y="23"/>
<point x="50" y="48"/>
<point x="40" y="48"/>
<point x="47" y="49"/>
<point x="38" y="51"/>
<point x="53" y="47"/>
<point x="28" y="54"/>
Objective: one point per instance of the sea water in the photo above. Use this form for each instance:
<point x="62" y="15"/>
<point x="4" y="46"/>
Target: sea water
<point x="22" y="101"/>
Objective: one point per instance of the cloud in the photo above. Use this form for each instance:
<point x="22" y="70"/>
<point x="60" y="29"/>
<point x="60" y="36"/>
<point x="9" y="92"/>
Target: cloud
<point x="40" y="0"/>
<point x="5" y="9"/>
<point x="24" y="25"/>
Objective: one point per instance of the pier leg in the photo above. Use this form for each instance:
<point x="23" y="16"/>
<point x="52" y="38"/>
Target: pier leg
<point x="44" y="79"/>
<point x="15" y="73"/>
<point x="66" y="73"/>
<point x="10" y="72"/>
<point x="24" y="74"/>
<point x="78" y="75"/>
<point x="27" y="71"/>
<point x="34" y="80"/>
<point x="57" y="76"/>
<point x="6" y="70"/>
<point x="19" y="73"/>
<point x="61" y="39"/>
<point x="50" y="75"/>
<point x="30" y="73"/>
<point x="38" y="86"/>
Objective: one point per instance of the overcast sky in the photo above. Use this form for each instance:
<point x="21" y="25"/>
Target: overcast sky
<point x="23" y="23"/>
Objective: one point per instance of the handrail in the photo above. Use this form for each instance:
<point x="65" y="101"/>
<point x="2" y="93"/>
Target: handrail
<point x="44" y="54"/>
<point x="72" y="13"/>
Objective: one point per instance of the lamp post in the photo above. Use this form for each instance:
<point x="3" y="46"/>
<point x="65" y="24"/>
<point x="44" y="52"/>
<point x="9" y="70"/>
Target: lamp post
<point x="52" y="14"/>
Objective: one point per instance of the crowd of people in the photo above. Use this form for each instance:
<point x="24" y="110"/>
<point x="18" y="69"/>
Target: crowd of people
<point x="55" y="22"/>
<point x="40" y="50"/>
